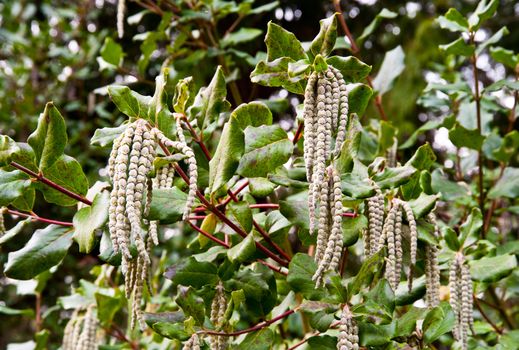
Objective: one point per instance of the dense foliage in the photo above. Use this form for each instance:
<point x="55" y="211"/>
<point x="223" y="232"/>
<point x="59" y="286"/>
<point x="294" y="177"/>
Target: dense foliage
<point x="188" y="185"/>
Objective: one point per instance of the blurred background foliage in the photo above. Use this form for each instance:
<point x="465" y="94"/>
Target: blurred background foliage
<point x="63" y="51"/>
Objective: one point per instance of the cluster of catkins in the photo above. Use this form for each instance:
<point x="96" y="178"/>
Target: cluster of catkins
<point x="348" y="338"/>
<point x="193" y="343"/>
<point x="81" y="330"/>
<point x="388" y="233"/>
<point x="325" y="116"/>
<point x="460" y="284"/>
<point x="432" y="270"/>
<point x="130" y="163"/>
<point x="218" y="308"/>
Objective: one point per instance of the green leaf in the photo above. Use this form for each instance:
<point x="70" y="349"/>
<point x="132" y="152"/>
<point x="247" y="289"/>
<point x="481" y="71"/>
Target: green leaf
<point x="8" y="148"/>
<point x="384" y="13"/>
<point x="129" y="102"/>
<point x="386" y="136"/>
<point x="367" y="271"/>
<point x="167" y="205"/>
<point x="300" y="271"/>
<point x="259" y="340"/>
<point x="241" y="214"/>
<point x="371" y="334"/>
<point x="282" y="43"/>
<point x="41" y="338"/>
<point x="406" y="324"/>
<point x="5" y="310"/>
<point x="394" y="177"/>
<point x="322" y="342"/>
<point x="227" y="156"/>
<point x="171" y="330"/>
<point x="193" y="273"/>
<point x="67" y="173"/>
<point x="275" y="74"/>
<point x="320" y="314"/>
<point x="353" y="186"/>
<point x="492" y="269"/>
<point x="13" y="232"/>
<point x="252" y="114"/>
<point x="358" y="98"/>
<point x="484" y="11"/>
<point x="104" y="137"/>
<point x="438" y="321"/>
<point x="350" y="147"/>
<point x="266" y="148"/>
<point x="108" y="306"/>
<point x="352" y="69"/>
<point x="469" y="231"/>
<point x="112" y="52"/>
<point x="241" y="36"/>
<point x="392" y="65"/>
<point x="13" y="185"/>
<point x="324" y="42"/>
<point x="183" y="95"/>
<point x="492" y="40"/>
<point x="423" y="205"/>
<point x="453" y="21"/>
<point x="451" y="239"/>
<point x="88" y="219"/>
<point x="458" y="47"/>
<point x="462" y="137"/>
<point x="352" y="228"/>
<point x="295" y="209"/>
<point x="423" y="158"/>
<point x="46" y="248"/>
<point x="191" y="304"/>
<point x="507" y="186"/>
<point x="50" y="137"/>
<point x="504" y="56"/>
<point x="260" y="187"/>
<point x="242" y="251"/>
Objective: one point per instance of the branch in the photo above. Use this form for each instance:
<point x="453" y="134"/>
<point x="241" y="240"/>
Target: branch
<point x="496" y="328"/>
<point x="38" y="218"/>
<point x="43" y="179"/>
<point x="251" y="329"/>
<point x="297" y="135"/>
<point x="208" y="235"/>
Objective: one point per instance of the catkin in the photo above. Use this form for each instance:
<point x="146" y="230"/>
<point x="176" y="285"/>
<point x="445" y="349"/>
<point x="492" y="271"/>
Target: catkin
<point x="121" y="9"/>
<point x="193" y="343"/>
<point x="413" y="240"/>
<point x="81" y="330"/>
<point x="461" y="299"/>
<point x="432" y="270"/>
<point x="3" y="210"/>
<point x="388" y="239"/>
<point x="348" y="338"/>
<point x="218" y="308"/>
<point x="87" y="339"/>
<point x="375" y="207"/>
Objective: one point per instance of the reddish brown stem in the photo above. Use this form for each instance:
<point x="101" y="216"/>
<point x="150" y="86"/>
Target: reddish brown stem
<point x="43" y="179"/>
<point x="208" y="235"/>
<point x="267" y="238"/>
<point x="496" y="328"/>
<point x="251" y="329"/>
<point x="298" y="133"/>
<point x="38" y="218"/>
<point x="264" y="206"/>
<point x="197" y="138"/>
<point x="273" y="268"/>
<point x="295" y="346"/>
<point x="235" y="193"/>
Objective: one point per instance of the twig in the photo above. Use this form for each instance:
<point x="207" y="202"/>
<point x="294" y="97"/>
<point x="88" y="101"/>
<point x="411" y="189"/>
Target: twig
<point x="43" y="179"/>
<point x="304" y="340"/>
<point x="39" y="218"/>
<point x="208" y="235"/>
<point x="496" y="328"/>
<point x="298" y="133"/>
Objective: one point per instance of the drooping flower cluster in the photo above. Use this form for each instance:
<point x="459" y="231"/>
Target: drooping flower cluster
<point x="325" y="115"/>
<point x="460" y="285"/>
<point x="348" y="338"/>
<point x="121" y="9"/>
<point x="218" y="308"/>
<point x="2" y="223"/>
<point x="432" y="270"/>
<point x="329" y="233"/>
<point x="130" y="163"/>
<point x="81" y="330"/>
<point x="193" y="343"/>
<point x="375" y="208"/>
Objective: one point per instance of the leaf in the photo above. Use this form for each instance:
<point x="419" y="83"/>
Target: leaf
<point x="50" y="137"/>
<point x="386" y="136"/>
<point x="507" y="186"/>
<point x="227" y="156"/>
<point x="13" y="185"/>
<point x="108" y="306"/>
<point x="242" y="251"/>
<point x="321" y="315"/>
<point x="105" y="136"/>
<point x="453" y="21"/>
<point x="367" y="271"/>
<point x="46" y="248"/>
<point x="392" y="65"/>
<point x="183" y="95"/>
<point x="5" y="310"/>
<point x="129" y="102"/>
<point x="469" y="231"/>
<point x="252" y="114"/>
<point x="384" y="13"/>
<point x="259" y="340"/>
<point x="492" y="40"/>
<point x="322" y="342"/>
<point x="241" y="36"/>
<point x="266" y="148"/>
<point x="394" y="177"/>
<point x="67" y="173"/>
<point x="171" y="330"/>
<point x="260" y="187"/>
<point x="458" y="47"/>
<point x="8" y="148"/>
<point x="504" y="56"/>
<point x="438" y="321"/>
<point x="324" y="42"/>
<point x="300" y="271"/>
<point x="371" y="334"/>
<point x="423" y="158"/>
<point x="352" y="69"/>
<point x="484" y="11"/>
<point x="241" y="214"/>
<point x="350" y="147"/>
<point x="275" y="74"/>
<point x="88" y="219"/>
<point x="492" y="269"/>
<point x="193" y="273"/>
<point x="423" y="205"/>
<point x="13" y="232"/>
<point x="282" y="43"/>
<point x="358" y="98"/>
<point x="451" y="239"/>
<point x="112" y="52"/>
<point x="191" y="304"/>
<point x="353" y="186"/>
<point x="352" y="228"/>
<point x="167" y="205"/>
<point x="406" y="324"/>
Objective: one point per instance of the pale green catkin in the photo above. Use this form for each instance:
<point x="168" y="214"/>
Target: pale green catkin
<point x="461" y="299"/>
<point x="218" y="309"/>
<point x="432" y="270"/>
<point x="348" y="338"/>
<point x="193" y="343"/>
<point x="375" y="208"/>
<point x="3" y="210"/>
<point x="121" y="9"/>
